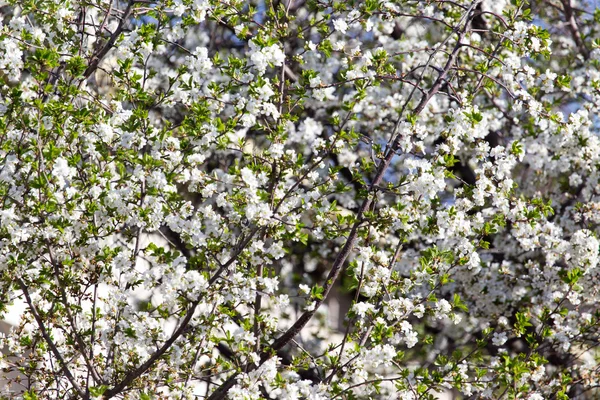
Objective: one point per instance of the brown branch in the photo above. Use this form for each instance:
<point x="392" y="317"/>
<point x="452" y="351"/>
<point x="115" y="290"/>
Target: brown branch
<point x="573" y="28"/>
<point x="71" y="319"/>
<point x="97" y="57"/>
<point x="106" y="16"/>
<point x="183" y="327"/>
<point x="49" y="341"/>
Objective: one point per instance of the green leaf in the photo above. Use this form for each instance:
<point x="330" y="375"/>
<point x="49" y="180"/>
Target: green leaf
<point x="30" y="395"/>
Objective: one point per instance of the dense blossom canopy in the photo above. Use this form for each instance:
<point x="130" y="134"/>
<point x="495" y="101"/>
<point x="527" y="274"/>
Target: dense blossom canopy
<point x="192" y="191"/>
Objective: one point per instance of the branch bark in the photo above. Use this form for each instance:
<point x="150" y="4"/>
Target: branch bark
<point x="49" y="341"/>
<point x="574" y="28"/>
<point x="139" y="371"/>
<point x="97" y="57"/>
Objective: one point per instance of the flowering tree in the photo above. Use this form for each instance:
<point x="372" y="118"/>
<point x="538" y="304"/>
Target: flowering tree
<point x="189" y="187"/>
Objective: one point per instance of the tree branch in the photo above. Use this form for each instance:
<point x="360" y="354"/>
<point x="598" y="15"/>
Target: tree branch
<point x="49" y="340"/>
<point x="573" y="28"/>
<point x="96" y="58"/>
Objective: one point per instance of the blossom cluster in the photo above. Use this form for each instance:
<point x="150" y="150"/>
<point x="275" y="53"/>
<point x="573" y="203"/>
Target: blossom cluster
<point x="299" y="200"/>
